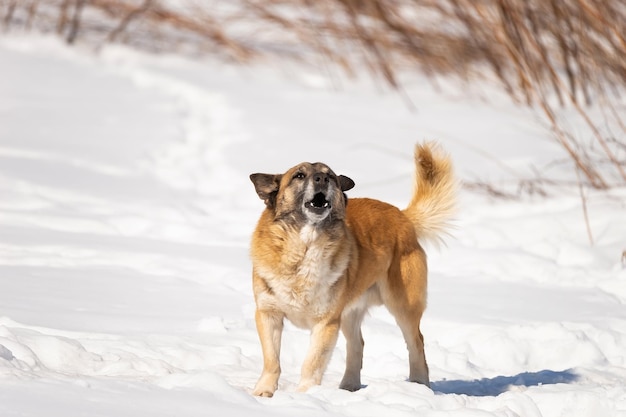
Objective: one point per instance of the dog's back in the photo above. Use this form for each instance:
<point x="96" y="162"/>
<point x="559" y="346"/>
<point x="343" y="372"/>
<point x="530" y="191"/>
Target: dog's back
<point x="385" y="233"/>
<point x="428" y="213"/>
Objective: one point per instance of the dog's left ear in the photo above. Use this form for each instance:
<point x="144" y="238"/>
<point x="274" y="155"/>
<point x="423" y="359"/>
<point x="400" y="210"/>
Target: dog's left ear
<point x="266" y="186"/>
<point x="345" y="183"/>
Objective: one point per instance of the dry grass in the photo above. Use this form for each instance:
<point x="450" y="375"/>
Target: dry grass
<point x="546" y="54"/>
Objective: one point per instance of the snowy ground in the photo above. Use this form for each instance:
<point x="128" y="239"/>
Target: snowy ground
<point x="125" y="214"/>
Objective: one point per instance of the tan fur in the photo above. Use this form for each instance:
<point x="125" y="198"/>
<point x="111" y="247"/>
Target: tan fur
<point x="434" y="193"/>
<point x="322" y="264"/>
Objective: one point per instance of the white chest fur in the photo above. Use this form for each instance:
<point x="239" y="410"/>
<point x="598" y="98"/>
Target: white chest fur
<point x="302" y="286"/>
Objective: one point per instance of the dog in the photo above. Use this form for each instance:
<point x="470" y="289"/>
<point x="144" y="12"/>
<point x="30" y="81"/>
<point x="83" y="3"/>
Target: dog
<point x="321" y="260"/>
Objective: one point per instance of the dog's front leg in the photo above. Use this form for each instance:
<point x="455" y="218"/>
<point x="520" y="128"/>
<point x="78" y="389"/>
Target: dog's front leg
<point x="269" y="325"/>
<point x="323" y="339"/>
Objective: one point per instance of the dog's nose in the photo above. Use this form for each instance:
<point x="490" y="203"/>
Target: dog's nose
<point x="321" y="178"/>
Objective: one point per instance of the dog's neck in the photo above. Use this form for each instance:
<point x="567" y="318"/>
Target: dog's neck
<point x="309" y="233"/>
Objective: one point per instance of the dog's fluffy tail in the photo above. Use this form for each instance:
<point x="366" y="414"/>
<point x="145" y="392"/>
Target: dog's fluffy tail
<point x="434" y="194"/>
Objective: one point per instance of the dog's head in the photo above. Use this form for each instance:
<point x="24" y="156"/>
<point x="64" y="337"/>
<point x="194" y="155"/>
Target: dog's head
<point x="310" y="192"/>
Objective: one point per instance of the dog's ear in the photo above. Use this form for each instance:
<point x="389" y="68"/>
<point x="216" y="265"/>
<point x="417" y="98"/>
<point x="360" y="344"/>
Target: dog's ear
<point x="345" y="183"/>
<point x="266" y="186"/>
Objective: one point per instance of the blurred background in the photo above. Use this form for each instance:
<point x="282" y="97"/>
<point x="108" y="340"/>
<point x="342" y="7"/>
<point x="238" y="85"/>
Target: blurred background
<point x="553" y="56"/>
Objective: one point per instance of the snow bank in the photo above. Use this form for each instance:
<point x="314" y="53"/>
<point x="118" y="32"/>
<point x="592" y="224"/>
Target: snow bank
<point x="124" y="225"/>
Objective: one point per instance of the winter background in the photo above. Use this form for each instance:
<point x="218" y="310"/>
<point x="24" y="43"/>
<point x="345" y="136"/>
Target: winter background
<point x="126" y="211"/>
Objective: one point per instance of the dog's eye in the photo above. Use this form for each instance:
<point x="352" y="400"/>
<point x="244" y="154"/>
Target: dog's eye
<point x="298" y="175"/>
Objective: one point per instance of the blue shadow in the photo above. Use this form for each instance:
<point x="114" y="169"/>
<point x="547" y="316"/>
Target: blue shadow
<point x="492" y="387"/>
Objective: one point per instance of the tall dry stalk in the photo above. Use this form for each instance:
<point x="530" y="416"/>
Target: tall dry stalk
<point x="545" y="53"/>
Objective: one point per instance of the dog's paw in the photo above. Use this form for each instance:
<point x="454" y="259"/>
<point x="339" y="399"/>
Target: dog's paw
<point x="305" y="384"/>
<point x="263" y="393"/>
<point x="350" y="385"/>
<point x="420" y="380"/>
<point x="265" y="387"/>
<point x="264" y="390"/>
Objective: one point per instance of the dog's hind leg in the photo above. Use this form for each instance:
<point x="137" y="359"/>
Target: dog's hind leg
<point x="405" y="298"/>
<point x="418" y="368"/>
<point x="351" y="328"/>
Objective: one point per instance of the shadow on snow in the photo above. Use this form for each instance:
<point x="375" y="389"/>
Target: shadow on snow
<point x="492" y="387"/>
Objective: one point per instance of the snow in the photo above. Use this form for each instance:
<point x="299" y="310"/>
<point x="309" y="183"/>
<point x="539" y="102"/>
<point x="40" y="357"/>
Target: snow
<point x="126" y="212"/>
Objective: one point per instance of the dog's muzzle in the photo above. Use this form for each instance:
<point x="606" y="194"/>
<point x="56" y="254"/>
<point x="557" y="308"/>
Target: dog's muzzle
<point x="319" y="189"/>
<point x="318" y="204"/>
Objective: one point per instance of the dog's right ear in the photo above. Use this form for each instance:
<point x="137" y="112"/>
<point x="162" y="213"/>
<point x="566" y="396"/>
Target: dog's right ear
<point x="266" y="186"/>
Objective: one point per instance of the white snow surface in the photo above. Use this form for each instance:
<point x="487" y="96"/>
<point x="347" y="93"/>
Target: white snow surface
<point x="126" y="211"/>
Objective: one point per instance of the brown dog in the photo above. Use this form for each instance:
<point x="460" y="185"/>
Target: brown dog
<point x="321" y="261"/>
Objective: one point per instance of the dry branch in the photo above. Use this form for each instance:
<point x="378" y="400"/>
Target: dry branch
<point x="130" y="16"/>
<point x="545" y="53"/>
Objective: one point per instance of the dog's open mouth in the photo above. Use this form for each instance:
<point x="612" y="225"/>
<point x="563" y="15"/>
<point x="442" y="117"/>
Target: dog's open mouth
<point x="318" y="204"/>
